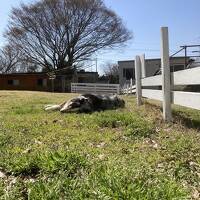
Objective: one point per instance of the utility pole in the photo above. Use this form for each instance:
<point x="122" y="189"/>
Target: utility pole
<point x="96" y="69"/>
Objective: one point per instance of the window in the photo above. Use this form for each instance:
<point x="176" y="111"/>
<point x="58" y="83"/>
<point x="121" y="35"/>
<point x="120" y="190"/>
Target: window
<point x="10" y="82"/>
<point x="13" y="82"/>
<point x="44" y="82"/>
<point x="40" y="82"/>
<point x="128" y="73"/>
<point x="81" y="80"/>
<point x="175" y="68"/>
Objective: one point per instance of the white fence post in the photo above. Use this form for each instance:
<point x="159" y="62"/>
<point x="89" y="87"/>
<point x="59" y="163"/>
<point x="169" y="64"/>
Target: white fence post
<point x="95" y="89"/>
<point x="131" y="85"/>
<point x="138" y="80"/>
<point x="143" y="65"/>
<point x="118" y="89"/>
<point x="166" y="83"/>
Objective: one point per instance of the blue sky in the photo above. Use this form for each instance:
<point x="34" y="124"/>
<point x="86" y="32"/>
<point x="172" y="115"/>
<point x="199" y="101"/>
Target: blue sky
<point x="144" y="18"/>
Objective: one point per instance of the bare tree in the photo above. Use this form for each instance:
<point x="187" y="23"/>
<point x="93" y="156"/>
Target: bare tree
<point x="57" y="34"/>
<point x="111" y="71"/>
<point x="9" y="58"/>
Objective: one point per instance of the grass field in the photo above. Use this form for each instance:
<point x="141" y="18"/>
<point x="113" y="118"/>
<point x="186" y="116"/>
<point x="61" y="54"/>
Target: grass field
<point x="120" y="154"/>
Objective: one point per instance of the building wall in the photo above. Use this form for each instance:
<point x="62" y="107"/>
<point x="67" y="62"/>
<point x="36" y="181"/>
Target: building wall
<point x="124" y="65"/>
<point x="41" y="82"/>
<point x="32" y="82"/>
<point x="87" y="77"/>
<point x="152" y="66"/>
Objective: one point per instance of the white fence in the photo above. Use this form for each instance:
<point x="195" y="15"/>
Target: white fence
<point x="167" y="81"/>
<point x="128" y="89"/>
<point x="95" y="88"/>
<point x="184" y="77"/>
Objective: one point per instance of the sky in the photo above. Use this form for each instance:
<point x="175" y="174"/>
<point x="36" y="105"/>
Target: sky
<point x="144" y="19"/>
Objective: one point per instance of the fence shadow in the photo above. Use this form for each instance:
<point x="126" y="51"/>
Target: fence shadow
<point x="188" y="118"/>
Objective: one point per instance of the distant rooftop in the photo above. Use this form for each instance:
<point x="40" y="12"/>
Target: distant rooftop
<point x="149" y="59"/>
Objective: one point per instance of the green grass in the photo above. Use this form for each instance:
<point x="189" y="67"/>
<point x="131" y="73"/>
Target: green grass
<point x="119" y="154"/>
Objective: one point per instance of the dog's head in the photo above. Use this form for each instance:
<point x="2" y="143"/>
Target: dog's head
<point x="118" y="101"/>
<point x="121" y="103"/>
<point x="78" y="104"/>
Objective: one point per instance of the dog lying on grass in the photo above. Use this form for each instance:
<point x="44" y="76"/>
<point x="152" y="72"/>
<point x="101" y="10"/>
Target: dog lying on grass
<point x="87" y="103"/>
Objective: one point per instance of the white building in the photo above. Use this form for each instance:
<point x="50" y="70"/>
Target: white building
<point x="127" y="68"/>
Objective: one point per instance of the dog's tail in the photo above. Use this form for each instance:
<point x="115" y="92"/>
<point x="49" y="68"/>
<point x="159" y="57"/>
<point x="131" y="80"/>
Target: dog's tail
<point x="52" y="107"/>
